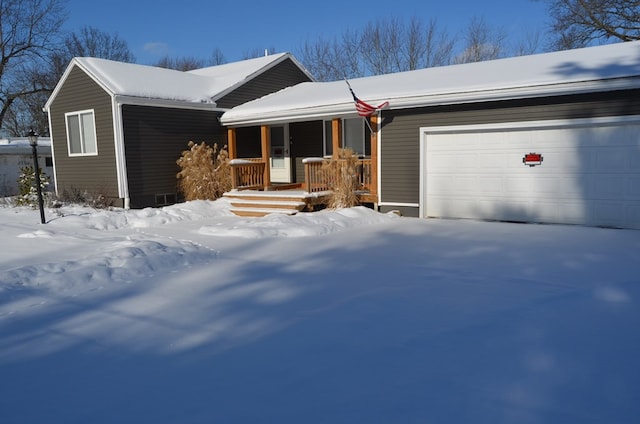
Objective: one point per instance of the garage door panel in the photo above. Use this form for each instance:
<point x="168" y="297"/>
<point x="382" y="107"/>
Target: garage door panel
<point x="588" y="175"/>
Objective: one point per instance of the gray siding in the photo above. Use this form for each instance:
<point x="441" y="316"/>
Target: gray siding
<point x="400" y="147"/>
<point x="95" y="174"/>
<point x="154" y="139"/>
<point x="285" y="74"/>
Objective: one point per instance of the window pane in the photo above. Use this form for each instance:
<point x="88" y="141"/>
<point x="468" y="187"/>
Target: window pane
<point x="88" y="133"/>
<point x="328" y="139"/>
<point x="354" y="135"/>
<point x="73" y="132"/>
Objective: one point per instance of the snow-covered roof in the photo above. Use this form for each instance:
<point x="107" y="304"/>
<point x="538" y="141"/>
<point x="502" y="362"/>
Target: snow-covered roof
<point x="591" y="69"/>
<point x="149" y="82"/>
<point x="20" y="145"/>
<point x="233" y="74"/>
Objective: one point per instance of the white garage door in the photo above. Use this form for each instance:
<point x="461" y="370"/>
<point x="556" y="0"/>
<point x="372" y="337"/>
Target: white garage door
<point x="589" y="172"/>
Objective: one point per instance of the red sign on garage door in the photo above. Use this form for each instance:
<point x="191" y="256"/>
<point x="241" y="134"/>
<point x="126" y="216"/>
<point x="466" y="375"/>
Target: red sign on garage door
<point x="532" y="159"/>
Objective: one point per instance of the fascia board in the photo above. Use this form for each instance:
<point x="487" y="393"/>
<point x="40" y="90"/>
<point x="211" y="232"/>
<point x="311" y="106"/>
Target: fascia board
<point x="177" y="104"/>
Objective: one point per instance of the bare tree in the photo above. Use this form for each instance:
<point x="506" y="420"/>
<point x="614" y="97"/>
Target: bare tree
<point x="383" y="46"/>
<point x="88" y="41"/>
<point x="530" y="43"/>
<point x="347" y="55"/>
<point x="319" y="59"/>
<point x="252" y="54"/>
<point x="188" y="63"/>
<point x="578" y="23"/>
<point x="437" y="45"/>
<point x="331" y="60"/>
<point x="216" y="58"/>
<point x="185" y="63"/>
<point x="29" y="31"/>
<point x="481" y="42"/>
<point x="93" y="42"/>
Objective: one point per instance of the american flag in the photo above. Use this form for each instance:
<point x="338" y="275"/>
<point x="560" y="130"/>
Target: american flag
<point x="364" y="109"/>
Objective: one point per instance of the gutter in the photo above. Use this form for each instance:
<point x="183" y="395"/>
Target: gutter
<point x="176" y="104"/>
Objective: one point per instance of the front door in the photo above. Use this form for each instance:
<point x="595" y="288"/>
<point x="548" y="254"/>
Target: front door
<point x="280" y="154"/>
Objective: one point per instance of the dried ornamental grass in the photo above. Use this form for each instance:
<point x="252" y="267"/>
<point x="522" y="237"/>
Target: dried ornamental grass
<point x="205" y="173"/>
<point x="342" y="174"/>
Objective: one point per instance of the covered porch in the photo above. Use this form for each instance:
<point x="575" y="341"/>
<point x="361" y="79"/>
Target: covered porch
<point x="268" y="184"/>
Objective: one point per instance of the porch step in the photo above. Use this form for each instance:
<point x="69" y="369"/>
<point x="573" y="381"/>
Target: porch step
<point x="242" y="207"/>
<point x="258" y="212"/>
<point x="246" y="203"/>
<point x="270" y="204"/>
<point x="260" y="203"/>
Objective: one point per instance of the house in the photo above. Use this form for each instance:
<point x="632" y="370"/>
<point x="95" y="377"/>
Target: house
<point x="550" y="138"/>
<point x="17" y="153"/>
<point x="118" y="128"/>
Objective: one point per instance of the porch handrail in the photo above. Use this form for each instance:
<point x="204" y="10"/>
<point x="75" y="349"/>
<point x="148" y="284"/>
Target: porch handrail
<point x="316" y="180"/>
<point x="247" y="173"/>
<point x="365" y="175"/>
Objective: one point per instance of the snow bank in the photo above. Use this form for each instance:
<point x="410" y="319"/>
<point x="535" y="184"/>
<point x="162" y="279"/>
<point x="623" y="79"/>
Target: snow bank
<point x="189" y="314"/>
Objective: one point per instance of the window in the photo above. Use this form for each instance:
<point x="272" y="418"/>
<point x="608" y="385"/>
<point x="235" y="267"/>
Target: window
<point x="354" y="136"/>
<point x="328" y="138"/>
<point x="81" y="133"/>
<point x="165" y="199"/>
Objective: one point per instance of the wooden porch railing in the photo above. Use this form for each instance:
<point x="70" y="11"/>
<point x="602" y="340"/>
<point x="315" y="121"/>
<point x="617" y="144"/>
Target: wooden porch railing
<point x="247" y="173"/>
<point x="316" y="180"/>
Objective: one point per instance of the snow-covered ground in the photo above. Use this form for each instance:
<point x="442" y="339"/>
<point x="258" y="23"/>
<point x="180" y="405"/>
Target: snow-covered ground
<point x="189" y="314"/>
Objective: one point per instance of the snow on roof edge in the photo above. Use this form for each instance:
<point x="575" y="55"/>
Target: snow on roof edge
<point x="201" y="86"/>
<point x="581" y="70"/>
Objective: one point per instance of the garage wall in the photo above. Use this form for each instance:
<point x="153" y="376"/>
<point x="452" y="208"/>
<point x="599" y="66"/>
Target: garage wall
<point x="400" y="137"/>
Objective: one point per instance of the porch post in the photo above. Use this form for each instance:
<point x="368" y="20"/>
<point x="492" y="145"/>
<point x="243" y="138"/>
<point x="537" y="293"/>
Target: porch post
<point x="374" y="154"/>
<point x="336" y="135"/>
<point x="231" y="143"/>
<point x="265" y="137"/>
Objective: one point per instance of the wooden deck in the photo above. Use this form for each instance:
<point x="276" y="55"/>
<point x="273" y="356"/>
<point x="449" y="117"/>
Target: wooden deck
<point x="254" y="195"/>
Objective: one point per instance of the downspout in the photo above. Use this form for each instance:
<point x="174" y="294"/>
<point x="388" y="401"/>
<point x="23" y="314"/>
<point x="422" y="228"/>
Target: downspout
<point x="121" y="164"/>
<point x="379" y="158"/>
<point x="53" y="154"/>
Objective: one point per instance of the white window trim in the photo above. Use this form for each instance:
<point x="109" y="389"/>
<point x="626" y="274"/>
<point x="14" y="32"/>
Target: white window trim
<point x="95" y="137"/>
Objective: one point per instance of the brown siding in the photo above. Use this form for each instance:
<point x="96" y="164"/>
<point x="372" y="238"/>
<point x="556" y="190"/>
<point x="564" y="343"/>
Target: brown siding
<point x="95" y="174"/>
<point x="306" y="141"/>
<point x="284" y="74"/>
<point x="400" y="148"/>
<point x="154" y="139"/>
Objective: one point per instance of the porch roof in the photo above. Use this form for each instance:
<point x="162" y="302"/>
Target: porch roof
<point x="592" y="69"/>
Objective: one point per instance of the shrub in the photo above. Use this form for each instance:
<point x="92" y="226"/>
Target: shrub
<point x="205" y="173"/>
<point x="27" y="187"/>
<point x="342" y="173"/>
<point x="96" y="199"/>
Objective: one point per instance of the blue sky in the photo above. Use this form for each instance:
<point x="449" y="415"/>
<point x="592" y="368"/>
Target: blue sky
<point x="196" y="27"/>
